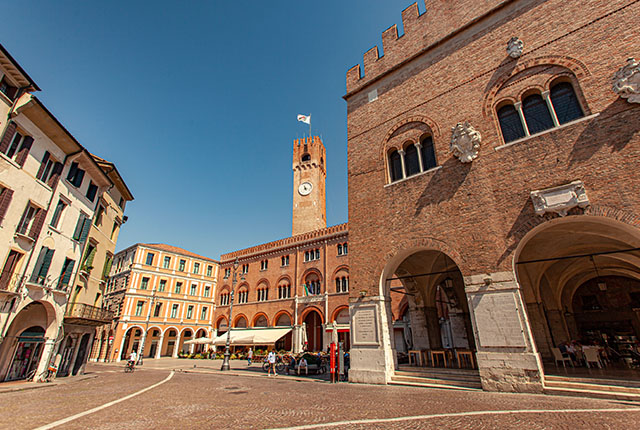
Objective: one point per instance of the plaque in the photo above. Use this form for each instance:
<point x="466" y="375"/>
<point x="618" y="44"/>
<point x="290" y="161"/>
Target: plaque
<point x="364" y="325"/>
<point x="497" y="320"/>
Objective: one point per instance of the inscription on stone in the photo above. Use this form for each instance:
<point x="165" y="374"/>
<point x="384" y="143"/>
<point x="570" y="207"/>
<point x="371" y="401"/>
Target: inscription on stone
<point x="365" y="329"/>
<point x="497" y="320"/>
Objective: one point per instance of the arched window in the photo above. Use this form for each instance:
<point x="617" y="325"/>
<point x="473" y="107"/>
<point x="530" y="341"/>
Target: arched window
<point x="510" y="123"/>
<point x="283" y="321"/>
<point x="565" y="103"/>
<point x="241" y="322"/>
<point x="428" y="153"/>
<point x="395" y="166"/>
<point x="306" y="157"/>
<point x="411" y="162"/>
<point x="536" y="113"/>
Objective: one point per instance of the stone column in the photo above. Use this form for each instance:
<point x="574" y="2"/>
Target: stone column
<point x="404" y="169"/>
<point x="176" y="346"/>
<point x="372" y="358"/>
<point x="552" y="111"/>
<point x="419" y="333"/>
<point x="518" y="107"/>
<point x="159" y="348"/>
<point x="124" y="337"/>
<point x="506" y="354"/>
<point x="296" y="340"/>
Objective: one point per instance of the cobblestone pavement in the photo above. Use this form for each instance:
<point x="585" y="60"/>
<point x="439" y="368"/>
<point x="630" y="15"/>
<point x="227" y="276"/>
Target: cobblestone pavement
<point x="205" y="399"/>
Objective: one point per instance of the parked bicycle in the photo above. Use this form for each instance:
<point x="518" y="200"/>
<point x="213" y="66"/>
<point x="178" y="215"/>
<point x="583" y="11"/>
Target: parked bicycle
<point x="46" y="376"/>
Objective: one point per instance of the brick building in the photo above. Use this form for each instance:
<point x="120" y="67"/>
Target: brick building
<point x="492" y="177"/>
<point x="300" y="282"/>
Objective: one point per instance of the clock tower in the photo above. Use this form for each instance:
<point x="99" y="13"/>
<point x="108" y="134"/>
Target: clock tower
<point x="309" y="173"/>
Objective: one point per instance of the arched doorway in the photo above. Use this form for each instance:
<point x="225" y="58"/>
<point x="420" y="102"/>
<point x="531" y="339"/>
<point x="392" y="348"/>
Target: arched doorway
<point x="169" y="342"/>
<point x="27" y="354"/>
<point x="341" y="317"/>
<point x="200" y="348"/>
<point x="580" y="277"/>
<point x="313" y="322"/>
<point x="432" y="313"/>
<point x="131" y="342"/>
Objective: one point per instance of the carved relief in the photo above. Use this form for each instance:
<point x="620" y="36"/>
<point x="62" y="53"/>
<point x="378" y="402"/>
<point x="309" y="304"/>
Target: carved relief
<point x="560" y="199"/>
<point x="626" y="81"/>
<point x="465" y="142"/>
<point x="515" y="46"/>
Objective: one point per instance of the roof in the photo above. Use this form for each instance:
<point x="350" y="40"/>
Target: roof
<point x="110" y="169"/>
<point x="19" y="68"/>
<point x="176" y="250"/>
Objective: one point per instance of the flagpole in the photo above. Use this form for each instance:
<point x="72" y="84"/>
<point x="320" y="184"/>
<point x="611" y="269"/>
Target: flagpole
<point x="310" y="126"/>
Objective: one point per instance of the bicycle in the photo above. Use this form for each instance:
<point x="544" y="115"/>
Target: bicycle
<point x="129" y="367"/>
<point x="46" y="376"/>
<point x="279" y="365"/>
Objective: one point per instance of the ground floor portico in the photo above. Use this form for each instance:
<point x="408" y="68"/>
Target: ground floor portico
<point x="572" y="300"/>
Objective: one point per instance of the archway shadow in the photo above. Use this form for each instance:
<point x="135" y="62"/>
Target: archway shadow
<point x="444" y="183"/>
<point x="602" y="131"/>
<point x="504" y="69"/>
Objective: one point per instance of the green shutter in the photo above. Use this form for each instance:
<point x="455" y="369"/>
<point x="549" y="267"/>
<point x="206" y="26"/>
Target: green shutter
<point x="85" y="230"/>
<point x="91" y="256"/>
<point x="38" y="268"/>
<point x="78" y="231"/>
<point x="66" y="273"/>
<point x="46" y="263"/>
<point x="107" y="267"/>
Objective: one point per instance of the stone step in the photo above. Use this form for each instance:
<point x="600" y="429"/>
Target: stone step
<point x="591" y="387"/>
<point x="598" y="394"/>
<point x="435" y="383"/>
<point x="462" y="377"/>
<point x="593" y="381"/>
<point x="438" y="370"/>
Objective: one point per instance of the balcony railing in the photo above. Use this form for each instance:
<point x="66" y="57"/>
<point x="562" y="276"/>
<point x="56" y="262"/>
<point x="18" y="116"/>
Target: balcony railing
<point x="88" y="312"/>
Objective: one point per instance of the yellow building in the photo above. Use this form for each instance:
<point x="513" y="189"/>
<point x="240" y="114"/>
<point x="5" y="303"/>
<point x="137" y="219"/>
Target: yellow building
<point x="161" y="296"/>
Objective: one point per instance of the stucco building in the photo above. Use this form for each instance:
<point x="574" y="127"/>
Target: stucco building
<point x="161" y="296"/>
<point x="492" y="157"/>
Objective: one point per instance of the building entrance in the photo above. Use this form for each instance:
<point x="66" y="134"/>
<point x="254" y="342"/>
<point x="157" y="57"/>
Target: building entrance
<point x="580" y="278"/>
<point x="28" y="352"/>
<point x="432" y="326"/>
<point x="313" y="322"/>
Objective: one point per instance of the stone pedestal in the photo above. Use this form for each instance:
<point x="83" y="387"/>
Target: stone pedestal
<point x="506" y="354"/>
<point x="372" y="359"/>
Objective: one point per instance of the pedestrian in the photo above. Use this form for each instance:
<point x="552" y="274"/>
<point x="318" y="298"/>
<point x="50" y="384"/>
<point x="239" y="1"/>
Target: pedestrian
<point x="271" y="359"/>
<point x="292" y="365"/>
<point x="249" y="356"/>
<point x="303" y="363"/>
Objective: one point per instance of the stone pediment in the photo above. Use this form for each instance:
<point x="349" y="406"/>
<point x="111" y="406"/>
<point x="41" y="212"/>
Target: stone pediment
<point x="560" y="199"/>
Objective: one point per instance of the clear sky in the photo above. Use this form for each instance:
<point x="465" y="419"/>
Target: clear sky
<point x="196" y="102"/>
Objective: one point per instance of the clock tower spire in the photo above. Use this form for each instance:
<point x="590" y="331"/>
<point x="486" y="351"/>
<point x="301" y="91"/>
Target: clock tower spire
<point x="309" y="173"/>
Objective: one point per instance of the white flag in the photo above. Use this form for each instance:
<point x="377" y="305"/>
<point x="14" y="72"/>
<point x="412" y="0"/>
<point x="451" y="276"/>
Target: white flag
<point x="305" y="118"/>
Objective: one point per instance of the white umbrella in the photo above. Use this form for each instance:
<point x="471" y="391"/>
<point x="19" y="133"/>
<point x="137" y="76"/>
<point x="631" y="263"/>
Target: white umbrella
<point x="199" y="341"/>
<point x="334" y="333"/>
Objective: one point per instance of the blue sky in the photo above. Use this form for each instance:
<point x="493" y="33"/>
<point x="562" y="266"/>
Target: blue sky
<point x="196" y="102"/>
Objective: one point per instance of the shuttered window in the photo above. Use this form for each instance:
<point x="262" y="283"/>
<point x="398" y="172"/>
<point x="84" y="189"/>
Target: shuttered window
<point x="57" y="214"/>
<point x="82" y="228"/>
<point x="65" y="275"/>
<point x="46" y="167"/>
<point x="42" y="265"/>
<point x="5" y="200"/>
<point x="92" y="190"/>
<point x="75" y="175"/>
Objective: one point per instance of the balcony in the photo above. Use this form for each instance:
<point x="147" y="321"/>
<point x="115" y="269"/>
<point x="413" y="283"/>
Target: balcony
<point x="82" y="314"/>
<point x="11" y="282"/>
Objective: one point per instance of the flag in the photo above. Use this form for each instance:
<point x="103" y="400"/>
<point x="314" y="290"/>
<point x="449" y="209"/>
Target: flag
<point x="305" y="118"/>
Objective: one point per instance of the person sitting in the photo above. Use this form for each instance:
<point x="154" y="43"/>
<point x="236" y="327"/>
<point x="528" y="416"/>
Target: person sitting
<point x="303" y="363"/>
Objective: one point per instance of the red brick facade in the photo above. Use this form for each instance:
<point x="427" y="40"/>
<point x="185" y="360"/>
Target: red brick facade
<point x="451" y="66"/>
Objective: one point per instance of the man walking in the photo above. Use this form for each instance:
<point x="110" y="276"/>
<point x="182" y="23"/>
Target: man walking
<point x="249" y="356"/>
<point x="271" y="359"/>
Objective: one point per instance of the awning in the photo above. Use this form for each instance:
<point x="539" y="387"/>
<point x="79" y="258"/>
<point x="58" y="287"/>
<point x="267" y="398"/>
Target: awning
<point x="199" y="341"/>
<point x="252" y="336"/>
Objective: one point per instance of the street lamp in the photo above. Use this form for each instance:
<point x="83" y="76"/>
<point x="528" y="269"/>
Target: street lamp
<point x="234" y="281"/>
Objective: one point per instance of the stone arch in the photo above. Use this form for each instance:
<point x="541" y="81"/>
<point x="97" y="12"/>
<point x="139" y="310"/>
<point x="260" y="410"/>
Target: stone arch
<point x="220" y="319"/>
<point x="309" y="271"/>
<point x="337" y="311"/>
<point x="237" y="319"/>
<point x="281" y="313"/>
<point x="308" y="309"/>
<point x="284" y="278"/>
<point x="263" y="281"/>
<point x="342" y="267"/>
<point x="166" y="330"/>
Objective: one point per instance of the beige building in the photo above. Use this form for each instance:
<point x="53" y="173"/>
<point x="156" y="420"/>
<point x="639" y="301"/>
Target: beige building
<point x="161" y="296"/>
<point x="85" y="316"/>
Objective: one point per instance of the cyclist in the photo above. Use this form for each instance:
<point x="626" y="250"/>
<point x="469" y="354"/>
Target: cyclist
<point x="132" y="360"/>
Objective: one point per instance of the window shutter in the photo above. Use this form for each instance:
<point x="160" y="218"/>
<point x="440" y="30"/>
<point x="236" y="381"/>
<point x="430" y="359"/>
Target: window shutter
<point x="78" y="231"/>
<point x="43" y="164"/>
<point x="38" y="268"/>
<point x="66" y="275"/>
<point x="46" y="263"/>
<point x="90" y="257"/>
<point x="107" y="268"/>
<point x="55" y="175"/>
<point x="72" y="171"/>
<point x="8" y="135"/>
<point x="85" y="230"/>
<point x="38" y="221"/>
<point x="5" y="200"/>
<point x="24" y="150"/>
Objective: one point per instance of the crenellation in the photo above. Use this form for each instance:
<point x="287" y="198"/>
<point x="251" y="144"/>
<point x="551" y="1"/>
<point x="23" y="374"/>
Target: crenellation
<point x="389" y="38"/>
<point x="410" y="18"/>
<point x="370" y="58"/>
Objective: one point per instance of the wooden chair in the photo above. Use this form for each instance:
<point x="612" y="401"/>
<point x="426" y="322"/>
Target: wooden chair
<point x="559" y="357"/>
<point x="591" y="355"/>
<point x="464" y="357"/>
<point x="415" y="358"/>
<point x="437" y="356"/>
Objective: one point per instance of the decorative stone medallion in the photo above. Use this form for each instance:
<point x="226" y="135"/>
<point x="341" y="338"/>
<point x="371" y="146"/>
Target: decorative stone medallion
<point x="560" y="199"/>
<point x="465" y="142"/>
<point x="626" y="81"/>
<point x="515" y="46"/>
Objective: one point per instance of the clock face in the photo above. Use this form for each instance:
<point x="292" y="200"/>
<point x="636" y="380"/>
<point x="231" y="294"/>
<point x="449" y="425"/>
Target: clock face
<point x="305" y="188"/>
